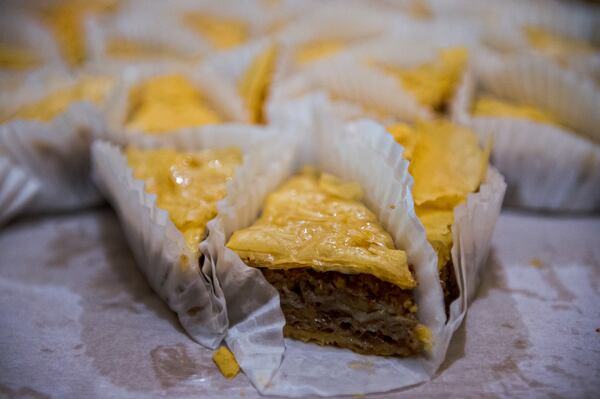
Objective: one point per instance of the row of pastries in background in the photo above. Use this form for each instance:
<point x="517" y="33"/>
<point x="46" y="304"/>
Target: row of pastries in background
<point x="188" y="103"/>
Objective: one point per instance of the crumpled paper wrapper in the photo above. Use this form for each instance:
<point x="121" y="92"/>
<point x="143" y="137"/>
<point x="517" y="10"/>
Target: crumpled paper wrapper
<point x="186" y="283"/>
<point x="357" y="153"/>
<point x="546" y="167"/>
<point x="53" y="156"/>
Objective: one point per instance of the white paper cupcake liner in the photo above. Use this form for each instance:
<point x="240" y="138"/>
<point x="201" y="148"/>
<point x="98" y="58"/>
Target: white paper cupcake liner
<point x="139" y="25"/>
<point x="17" y="190"/>
<point x="221" y="94"/>
<point x="546" y="167"/>
<point x="17" y="27"/>
<point x="356" y="152"/>
<point x="189" y="288"/>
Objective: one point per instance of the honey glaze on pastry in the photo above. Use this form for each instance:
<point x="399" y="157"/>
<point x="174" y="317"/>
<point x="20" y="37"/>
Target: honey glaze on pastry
<point x="187" y="185"/>
<point x="166" y="103"/>
<point x="447" y="164"/>
<point x="91" y="89"/>
<point x="340" y="279"/>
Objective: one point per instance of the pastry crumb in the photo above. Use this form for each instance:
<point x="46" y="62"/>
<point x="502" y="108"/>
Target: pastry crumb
<point x="598" y="330"/>
<point x="225" y="361"/>
<point x="536" y="262"/>
<point x="392" y="206"/>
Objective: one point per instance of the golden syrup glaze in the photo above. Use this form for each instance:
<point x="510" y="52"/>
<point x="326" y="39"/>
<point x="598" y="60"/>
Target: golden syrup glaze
<point x="317" y="221"/>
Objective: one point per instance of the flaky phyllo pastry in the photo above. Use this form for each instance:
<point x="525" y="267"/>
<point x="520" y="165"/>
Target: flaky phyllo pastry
<point x="166" y="103"/>
<point x="340" y="278"/>
<point x="431" y="83"/>
<point x="187" y="184"/>
<point x="92" y="89"/>
<point x="447" y="164"/>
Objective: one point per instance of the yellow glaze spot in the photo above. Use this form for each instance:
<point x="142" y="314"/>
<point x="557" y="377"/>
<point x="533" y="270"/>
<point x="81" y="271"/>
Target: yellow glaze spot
<point x="406" y="136"/>
<point x="122" y="48"/>
<point x="438" y="226"/>
<point x="66" y="21"/>
<point x="168" y="103"/>
<point x="17" y="58"/>
<point x="223" y="33"/>
<point x="317" y="221"/>
<point x="489" y="106"/>
<point x="225" y="361"/>
<point x="419" y="9"/>
<point x="187" y="184"/>
<point x="556" y="46"/>
<point x="433" y="83"/>
<point x="424" y="335"/>
<point x="92" y="89"/>
<point x="316" y="50"/>
<point x="256" y="82"/>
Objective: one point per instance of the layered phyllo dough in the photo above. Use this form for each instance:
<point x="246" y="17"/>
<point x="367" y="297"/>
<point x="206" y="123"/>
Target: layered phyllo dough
<point x="340" y="278"/>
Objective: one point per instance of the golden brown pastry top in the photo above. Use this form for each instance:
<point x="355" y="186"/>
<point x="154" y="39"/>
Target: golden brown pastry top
<point x="187" y="185"/>
<point x="557" y="46"/>
<point x="318" y="49"/>
<point x="167" y="103"/>
<point x="317" y="221"/>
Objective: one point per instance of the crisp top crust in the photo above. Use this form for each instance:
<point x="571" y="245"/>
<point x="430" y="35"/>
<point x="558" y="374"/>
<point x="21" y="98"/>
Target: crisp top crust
<point x="187" y="185"/>
<point x="255" y="84"/>
<point x="166" y="103"/>
<point x="432" y="83"/>
<point x="490" y="106"/>
<point x="92" y="89"/>
<point x="447" y="164"/>
<point x="317" y="221"/>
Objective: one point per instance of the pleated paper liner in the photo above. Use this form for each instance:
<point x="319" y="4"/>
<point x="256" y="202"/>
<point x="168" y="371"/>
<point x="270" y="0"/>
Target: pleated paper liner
<point x="219" y="93"/>
<point x="355" y="152"/>
<point x="185" y="283"/>
<point x="354" y="84"/>
<point x="171" y="44"/>
<point x="546" y="167"/>
<point x="17" y="190"/>
<point x="54" y="155"/>
<point x="20" y="30"/>
<point x="577" y="21"/>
